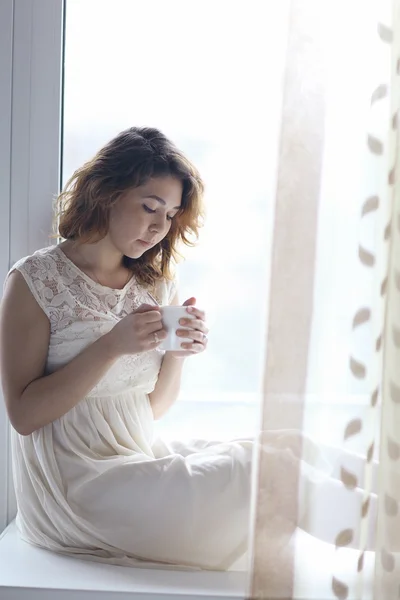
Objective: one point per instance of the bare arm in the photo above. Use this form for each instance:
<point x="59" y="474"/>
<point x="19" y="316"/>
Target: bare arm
<point x="168" y="385"/>
<point x="33" y="400"/>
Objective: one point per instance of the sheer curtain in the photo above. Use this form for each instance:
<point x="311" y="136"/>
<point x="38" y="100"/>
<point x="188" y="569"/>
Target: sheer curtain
<point x="325" y="518"/>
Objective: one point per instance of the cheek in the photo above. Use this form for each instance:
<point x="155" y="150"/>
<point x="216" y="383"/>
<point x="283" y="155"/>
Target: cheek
<point x="124" y="222"/>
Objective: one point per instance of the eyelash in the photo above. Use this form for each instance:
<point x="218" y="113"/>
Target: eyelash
<point x="149" y="210"/>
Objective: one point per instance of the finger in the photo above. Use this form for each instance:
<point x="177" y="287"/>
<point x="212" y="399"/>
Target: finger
<point x="194" y="324"/>
<point x="156" y="338"/>
<point x="145" y="308"/>
<point x="190" y="302"/>
<point x="155" y="327"/>
<point x="200" y="314"/>
<point x="193" y="347"/>
<point x="192" y="334"/>
<point x="151" y="317"/>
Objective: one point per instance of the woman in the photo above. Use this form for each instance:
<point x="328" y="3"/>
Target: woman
<point x="83" y="379"/>
<point x="83" y="375"/>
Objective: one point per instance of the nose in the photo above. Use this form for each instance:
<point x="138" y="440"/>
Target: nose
<point x="158" y="224"/>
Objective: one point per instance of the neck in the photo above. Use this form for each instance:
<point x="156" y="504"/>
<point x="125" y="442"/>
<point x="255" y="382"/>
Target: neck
<point x="101" y="256"/>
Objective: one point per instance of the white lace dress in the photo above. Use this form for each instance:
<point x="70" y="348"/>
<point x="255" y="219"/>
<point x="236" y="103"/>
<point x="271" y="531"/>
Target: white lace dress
<point x="96" y="483"/>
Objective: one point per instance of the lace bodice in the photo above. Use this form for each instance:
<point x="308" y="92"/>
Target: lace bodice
<point x="81" y="310"/>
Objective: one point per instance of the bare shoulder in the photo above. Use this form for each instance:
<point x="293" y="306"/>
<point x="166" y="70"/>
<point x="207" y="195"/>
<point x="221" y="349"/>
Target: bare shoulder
<point x="18" y="299"/>
<point x="29" y="281"/>
<point x="20" y="314"/>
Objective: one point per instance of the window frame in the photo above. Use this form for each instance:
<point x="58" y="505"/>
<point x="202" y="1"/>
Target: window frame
<point x="31" y="50"/>
<point x="6" y="53"/>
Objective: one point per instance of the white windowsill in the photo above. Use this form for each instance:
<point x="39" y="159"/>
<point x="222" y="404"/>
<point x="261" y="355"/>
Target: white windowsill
<point x="29" y="572"/>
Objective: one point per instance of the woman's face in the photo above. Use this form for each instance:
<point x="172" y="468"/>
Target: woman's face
<point x="142" y="216"/>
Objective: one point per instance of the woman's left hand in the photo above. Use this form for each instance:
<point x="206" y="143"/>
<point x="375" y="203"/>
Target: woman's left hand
<point x="198" y="331"/>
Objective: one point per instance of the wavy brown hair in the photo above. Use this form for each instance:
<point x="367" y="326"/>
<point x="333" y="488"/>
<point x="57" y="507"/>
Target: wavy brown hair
<point x="128" y="161"/>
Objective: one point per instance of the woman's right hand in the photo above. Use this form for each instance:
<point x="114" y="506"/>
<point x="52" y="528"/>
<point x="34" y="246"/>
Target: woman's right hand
<point x="138" y="332"/>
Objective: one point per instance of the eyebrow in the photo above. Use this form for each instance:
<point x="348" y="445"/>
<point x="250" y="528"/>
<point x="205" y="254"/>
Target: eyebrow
<point x="160" y="200"/>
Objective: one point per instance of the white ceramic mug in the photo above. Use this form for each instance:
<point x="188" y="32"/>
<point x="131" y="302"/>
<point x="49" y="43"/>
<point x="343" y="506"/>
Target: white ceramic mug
<point x="171" y="316"/>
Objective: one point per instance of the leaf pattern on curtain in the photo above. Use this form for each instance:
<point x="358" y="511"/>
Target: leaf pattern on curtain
<point x="372" y="533"/>
<point x="376" y="371"/>
<point x="388" y="526"/>
<point x="379" y="206"/>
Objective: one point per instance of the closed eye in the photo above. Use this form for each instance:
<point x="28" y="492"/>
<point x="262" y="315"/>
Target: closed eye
<point x="152" y="211"/>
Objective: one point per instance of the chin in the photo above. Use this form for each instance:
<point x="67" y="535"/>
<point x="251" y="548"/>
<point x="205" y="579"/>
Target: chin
<point x="133" y="255"/>
<point x="135" y="252"/>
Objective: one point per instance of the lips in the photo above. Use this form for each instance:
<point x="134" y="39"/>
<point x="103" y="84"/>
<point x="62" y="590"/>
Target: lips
<point x="148" y="244"/>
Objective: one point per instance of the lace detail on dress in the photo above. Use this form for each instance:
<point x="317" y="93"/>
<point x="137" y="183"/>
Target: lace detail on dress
<point x="80" y="311"/>
<point x="67" y="295"/>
